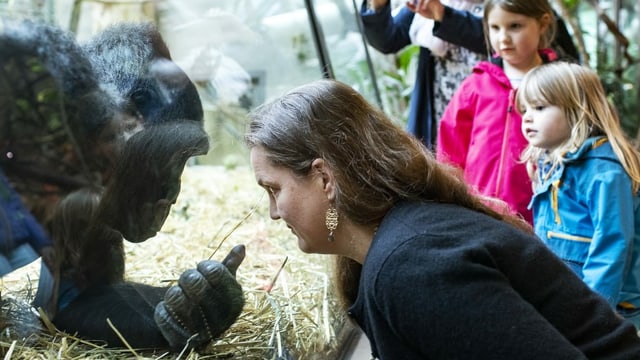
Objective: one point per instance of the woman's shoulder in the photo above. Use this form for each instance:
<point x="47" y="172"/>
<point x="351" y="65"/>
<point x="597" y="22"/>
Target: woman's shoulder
<point x="447" y="236"/>
<point x="421" y="220"/>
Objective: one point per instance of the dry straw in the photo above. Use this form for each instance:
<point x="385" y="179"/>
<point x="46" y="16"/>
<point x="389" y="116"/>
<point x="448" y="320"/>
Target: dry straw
<point x="290" y="310"/>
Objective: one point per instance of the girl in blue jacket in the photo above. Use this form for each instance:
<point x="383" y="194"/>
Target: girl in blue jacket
<point x="586" y="178"/>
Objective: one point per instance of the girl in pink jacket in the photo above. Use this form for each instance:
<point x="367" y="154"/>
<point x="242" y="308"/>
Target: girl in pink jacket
<point x="480" y="128"/>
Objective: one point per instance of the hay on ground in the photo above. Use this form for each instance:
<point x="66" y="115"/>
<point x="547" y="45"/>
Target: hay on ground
<point x="217" y="209"/>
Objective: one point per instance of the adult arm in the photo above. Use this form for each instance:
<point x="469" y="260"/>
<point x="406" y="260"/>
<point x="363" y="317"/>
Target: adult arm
<point x="464" y="29"/>
<point x="461" y="28"/>
<point x="386" y="33"/>
<point x="563" y="42"/>
<point x="458" y="27"/>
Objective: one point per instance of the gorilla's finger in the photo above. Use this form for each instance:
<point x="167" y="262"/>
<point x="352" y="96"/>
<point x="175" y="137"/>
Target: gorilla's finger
<point x="170" y="328"/>
<point x="217" y="292"/>
<point x="184" y="310"/>
<point x="196" y="286"/>
<point x="174" y="332"/>
<point x="235" y="257"/>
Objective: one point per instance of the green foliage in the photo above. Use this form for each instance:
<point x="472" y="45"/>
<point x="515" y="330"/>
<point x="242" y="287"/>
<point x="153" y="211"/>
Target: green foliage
<point x="407" y="56"/>
<point x="614" y="56"/>
<point x="570" y="4"/>
<point x="397" y="83"/>
<point x="623" y="94"/>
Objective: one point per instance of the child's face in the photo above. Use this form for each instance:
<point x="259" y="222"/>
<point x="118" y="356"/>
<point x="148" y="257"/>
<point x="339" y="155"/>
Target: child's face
<point x="515" y="37"/>
<point x="544" y="125"/>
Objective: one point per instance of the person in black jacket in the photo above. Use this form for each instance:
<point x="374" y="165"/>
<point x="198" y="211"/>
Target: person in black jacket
<point x="438" y="73"/>
<point x="427" y="269"/>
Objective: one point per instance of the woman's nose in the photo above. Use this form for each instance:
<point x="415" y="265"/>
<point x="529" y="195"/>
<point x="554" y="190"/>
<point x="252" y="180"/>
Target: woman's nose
<point x="273" y="211"/>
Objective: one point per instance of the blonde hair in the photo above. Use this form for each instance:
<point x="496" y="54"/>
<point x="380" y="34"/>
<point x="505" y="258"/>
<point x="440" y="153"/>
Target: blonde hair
<point x="577" y="90"/>
<point x="536" y="9"/>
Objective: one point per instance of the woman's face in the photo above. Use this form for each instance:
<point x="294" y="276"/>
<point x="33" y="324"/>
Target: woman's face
<point x="301" y="202"/>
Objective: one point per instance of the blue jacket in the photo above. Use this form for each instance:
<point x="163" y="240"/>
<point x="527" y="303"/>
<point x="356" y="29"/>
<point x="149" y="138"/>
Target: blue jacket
<point x="585" y="213"/>
<point x="17" y="224"/>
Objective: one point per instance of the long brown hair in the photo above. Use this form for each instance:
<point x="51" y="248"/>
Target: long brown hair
<point x="375" y="162"/>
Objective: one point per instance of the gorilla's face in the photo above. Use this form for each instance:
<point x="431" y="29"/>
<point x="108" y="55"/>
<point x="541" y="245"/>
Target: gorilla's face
<point x="164" y="93"/>
<point x="147" y="222"/>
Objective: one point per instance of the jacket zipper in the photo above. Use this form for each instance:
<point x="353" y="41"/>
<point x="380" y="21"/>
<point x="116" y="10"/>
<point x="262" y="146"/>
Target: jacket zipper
<point x="552" y="234"/>
<point x="554" y="201"/>
<point x="505" y="138"/>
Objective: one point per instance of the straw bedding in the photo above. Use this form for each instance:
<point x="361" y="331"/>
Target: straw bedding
<point x="290" y="310"/>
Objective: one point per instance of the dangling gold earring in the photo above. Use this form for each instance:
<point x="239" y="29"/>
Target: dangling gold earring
<point x="331" y="220"/>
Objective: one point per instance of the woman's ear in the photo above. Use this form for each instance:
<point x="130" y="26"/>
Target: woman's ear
<point x="325" y="174"/>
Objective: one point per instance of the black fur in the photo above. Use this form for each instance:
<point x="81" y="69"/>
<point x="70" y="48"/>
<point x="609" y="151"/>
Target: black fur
<point x="70" y="121"/>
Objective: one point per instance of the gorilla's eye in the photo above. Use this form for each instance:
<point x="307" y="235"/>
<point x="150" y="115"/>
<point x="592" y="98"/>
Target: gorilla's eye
<point x="140" y="96"/>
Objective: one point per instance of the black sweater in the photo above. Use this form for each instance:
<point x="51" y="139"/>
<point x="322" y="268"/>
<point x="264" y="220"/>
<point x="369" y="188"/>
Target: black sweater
<point x="443" y="282"/>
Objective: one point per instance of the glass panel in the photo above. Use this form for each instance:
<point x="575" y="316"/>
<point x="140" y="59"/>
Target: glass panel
<point x="240" y="54"/>
<point x="348" y="53"/>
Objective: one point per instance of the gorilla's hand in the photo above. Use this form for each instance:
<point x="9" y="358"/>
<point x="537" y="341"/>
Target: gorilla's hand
<point x="205" y="303"/>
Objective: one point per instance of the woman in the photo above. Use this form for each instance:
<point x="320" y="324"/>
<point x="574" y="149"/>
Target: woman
<point x="425" y="268"/>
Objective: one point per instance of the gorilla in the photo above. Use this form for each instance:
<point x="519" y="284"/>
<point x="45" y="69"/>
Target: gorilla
<point x="88" y="228"/>
<point x="107" y="127"/>
<point x="66" y="108"/>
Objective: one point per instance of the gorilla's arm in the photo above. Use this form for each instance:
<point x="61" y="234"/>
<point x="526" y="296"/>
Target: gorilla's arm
<point x="205" y="303"/>
<point x="129" y="307"/>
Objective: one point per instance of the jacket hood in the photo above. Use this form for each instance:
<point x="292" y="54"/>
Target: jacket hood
<point x="597" y="147"/>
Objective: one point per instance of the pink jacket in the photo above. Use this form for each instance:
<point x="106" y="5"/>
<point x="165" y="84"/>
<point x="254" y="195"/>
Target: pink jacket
<point x="480" y="133"/>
